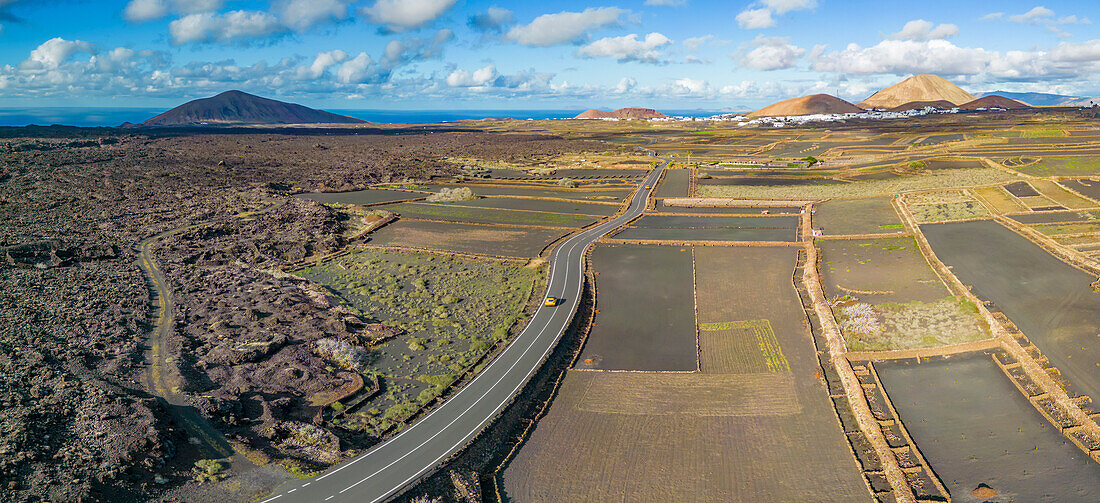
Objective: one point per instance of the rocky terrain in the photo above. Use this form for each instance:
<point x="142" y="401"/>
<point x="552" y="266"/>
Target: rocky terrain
<point x="79" y="423"/>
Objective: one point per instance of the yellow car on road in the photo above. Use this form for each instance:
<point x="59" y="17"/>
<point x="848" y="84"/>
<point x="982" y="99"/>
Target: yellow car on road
<point x="551" y="301"/>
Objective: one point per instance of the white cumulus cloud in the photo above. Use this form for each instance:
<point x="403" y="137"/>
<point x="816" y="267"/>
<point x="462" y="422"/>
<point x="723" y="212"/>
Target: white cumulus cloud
<point x="629" y="48"/>
<point x="755" y="19"/>
<point x="232" y="26"/>
<point x="301" y="15"/>
<point x="479" y="77"/>
<point x="564" y="27"/>
<point x="147" y="10"/>
<point x="404" y="15"/>
<point x="919" y="29"/>
<point x="772" y="53"/>
<point x="53" y="52"/>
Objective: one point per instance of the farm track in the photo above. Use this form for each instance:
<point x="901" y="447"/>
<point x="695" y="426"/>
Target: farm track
<point x="208" y="440"/>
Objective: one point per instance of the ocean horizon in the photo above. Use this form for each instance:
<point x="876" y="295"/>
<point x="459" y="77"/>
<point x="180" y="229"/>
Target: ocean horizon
<point x="109" y="117"/>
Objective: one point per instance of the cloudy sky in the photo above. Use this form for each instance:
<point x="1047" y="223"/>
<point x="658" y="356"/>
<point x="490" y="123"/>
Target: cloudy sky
<point x="455" y="54"/>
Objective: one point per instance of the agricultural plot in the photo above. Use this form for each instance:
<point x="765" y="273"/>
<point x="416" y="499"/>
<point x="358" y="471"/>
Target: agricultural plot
<point x="450" y="313"/>
<point x="539" y="205"/>
<point x="974" y="427"/>
<point x="709" y="234"/>
<point x="1084" y="186"/>
<point x="885" y="296"/>
<point x="949" y="211"/>
<point x="1049" y="218"/>
<point x="719" y="435"/>
<point x="1021" y="189"/>
<point x="938" y="179"/>
<point x="1060" y="195"/>
<point x="870" y="215"/>
<point x="674" y="183"/>
<point x="1050" y="301"/>
<point x="520" y="242"/>
<point x="999" y="199"/>
<point x="646" y="317"/>
<point x="717" y="222"/>
<point x="768" y="181"/>
<point x="1052" y="164"/>
<point x="368" y="196"/>
<point x="599" y="193"/>
<point x="462" y="213"/>
<point x="661" y="207"/>
<point x="1067" y="228"/>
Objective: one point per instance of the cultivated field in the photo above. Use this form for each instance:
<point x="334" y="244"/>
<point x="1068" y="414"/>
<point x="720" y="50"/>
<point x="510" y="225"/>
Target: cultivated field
<point x="885" y="296"/>
<point x="871" y="215"/>
<point x="506" y="241"/>
<point x="756" y="410"/>
<point x="974" y="427"/>
<point x="1051" y="302"/>
<point x="646" y="317"/>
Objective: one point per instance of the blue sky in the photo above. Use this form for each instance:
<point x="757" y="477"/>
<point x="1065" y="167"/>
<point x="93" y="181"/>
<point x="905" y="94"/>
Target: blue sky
<point x="454" y="54"/>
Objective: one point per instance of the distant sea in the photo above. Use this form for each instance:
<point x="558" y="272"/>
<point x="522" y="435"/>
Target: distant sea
<point x="91" y="117"/>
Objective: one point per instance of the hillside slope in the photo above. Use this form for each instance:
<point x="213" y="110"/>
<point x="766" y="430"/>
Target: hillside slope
<point x="807" y="105"/>
<point x="917" y="88"/>
<point x="994" y="102"/>
<point x="236" y="107"/>
<point x="622" y="113"/>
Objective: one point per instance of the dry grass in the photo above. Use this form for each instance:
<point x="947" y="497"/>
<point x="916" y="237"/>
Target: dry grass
<point x="910" y="325"/>
<point x="931" y="180"/>
<point x="1001" y="201"/>
<point x="1060" y="195"/>
<point x="946" y="212"/>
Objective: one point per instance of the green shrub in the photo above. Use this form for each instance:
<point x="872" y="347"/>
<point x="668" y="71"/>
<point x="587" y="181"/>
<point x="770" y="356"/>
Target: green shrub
<point x="207" y="470"/>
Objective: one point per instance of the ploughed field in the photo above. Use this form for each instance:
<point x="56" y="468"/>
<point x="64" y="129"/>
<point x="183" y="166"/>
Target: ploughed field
<point x="1050" y="301"/>
<point x="752" y="424"/>
<point x="711" y="228"/>
<point x="869" y="215"/>
<point x="974" y="427"/>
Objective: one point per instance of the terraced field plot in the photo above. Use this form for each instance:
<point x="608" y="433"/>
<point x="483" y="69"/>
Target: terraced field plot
<point x="716" y="222"/>
<point x="1046" y="218"/>
<point x="460" y="212"/>
<point x="766" y="181"/>
<point x="1060" y="195"/>
<point x="1050" y="301"/>
<point x="451" y="312"/>
<point x="1021" y="189"/>
<point x="368" y="196"/>
<point x="1084" y="186"/>
<point x="887" y="297"/>
<point x="974" y="427"/>
<point x="539" y="205"/>
<point x="999" y="199"/>
<point x="614" y="193"/>
<point x="674" y="183"/>
<point x="521" y="242"/>
<point x="711" y="436"/>
<point x="661" y="207"/>
<point x="646" y="319"/>
<point x="1053" y="163"/>
<point x="869" y="215"/>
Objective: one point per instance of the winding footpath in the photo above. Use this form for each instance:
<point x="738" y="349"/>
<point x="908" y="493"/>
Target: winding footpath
<point x="396" y="464"/>
<point x="210" y="442"/>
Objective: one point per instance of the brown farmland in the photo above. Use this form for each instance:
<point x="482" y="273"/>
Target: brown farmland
<point x="870" y="215"/>
<point x="737" y="432"/>
<point x="466" y="238"/>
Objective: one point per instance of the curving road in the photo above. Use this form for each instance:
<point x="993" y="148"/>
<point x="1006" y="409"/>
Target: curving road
<point x="388" y="468"/>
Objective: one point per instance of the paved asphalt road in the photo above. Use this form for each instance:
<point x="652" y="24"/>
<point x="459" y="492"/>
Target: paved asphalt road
<point x="386" y="469"/>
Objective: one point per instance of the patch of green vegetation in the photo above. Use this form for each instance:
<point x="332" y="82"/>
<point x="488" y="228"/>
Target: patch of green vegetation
<point x="1043" y="133"/>
<point x="1063" y="166"/>
<point x="892" y="226"/>
<point x="438" y="302"/>
<point x="208" y="470"/>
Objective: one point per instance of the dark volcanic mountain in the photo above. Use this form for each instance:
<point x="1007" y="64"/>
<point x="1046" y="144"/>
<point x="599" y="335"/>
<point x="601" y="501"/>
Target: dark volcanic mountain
<point x="236" y="107"/>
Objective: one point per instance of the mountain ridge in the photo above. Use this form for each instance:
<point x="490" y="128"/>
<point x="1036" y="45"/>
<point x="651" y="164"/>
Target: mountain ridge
<point x="924" y="87"/>
<point x="238" y="107"/>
